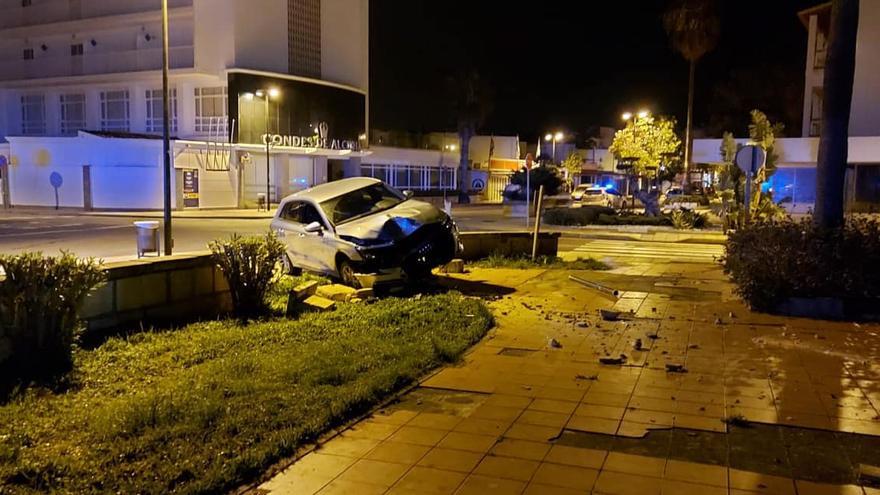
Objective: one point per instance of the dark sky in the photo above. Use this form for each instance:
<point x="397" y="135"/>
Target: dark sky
<point x="580" y="63"/>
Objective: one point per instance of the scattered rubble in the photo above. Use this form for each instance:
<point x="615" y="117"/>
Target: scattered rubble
<point x="613" y="360"/>
<point x="319" y="303"/>
<point x="675" y="368"/>
<point x="553" y="343"/>
<point x="454" y="266"/>
<point x="335" y="292"/>
<point x="637" y="345"/>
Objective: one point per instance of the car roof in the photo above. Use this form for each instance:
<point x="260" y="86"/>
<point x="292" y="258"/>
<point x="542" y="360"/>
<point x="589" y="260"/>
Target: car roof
<point x="323" y="192"/>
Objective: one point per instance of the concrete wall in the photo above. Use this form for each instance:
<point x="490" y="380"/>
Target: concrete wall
<point x="865" y="118"/>
<point x="158" y="291"/>
<point x="794" y="151"/>
<point x="261" y="40"/>
<point x="482" y="244"/>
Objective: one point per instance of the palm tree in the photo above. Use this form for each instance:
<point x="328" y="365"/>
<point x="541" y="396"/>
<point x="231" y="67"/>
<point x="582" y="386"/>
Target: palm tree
<point x="471" y="101"/>
<point x="840" y="64"/>
<point x="693" y="27"/>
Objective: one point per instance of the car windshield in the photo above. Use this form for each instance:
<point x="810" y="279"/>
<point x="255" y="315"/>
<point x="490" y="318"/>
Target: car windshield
<point x="594" y="192"/>
<point x="360" y="202"/>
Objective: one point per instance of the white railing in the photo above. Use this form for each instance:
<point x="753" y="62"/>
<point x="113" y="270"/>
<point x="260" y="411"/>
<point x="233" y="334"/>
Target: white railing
<point x="180" y="57"/>
<point x="12" y="14"/>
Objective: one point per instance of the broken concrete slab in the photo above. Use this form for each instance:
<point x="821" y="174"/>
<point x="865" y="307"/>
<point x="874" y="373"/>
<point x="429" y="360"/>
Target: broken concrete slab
<point x="319" y="303"/>
<point x="304" y="290"/>
<point x="336" y="292"/>
<point x="454" y="266"/>
<point x="364" y="293"/>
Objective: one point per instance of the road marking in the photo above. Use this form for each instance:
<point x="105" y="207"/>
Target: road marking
<point x="695" y="253"/>
<point x="64" y="231"/>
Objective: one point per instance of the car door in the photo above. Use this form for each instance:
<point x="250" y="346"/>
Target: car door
<point x="319" y="247"/>
<point x="291" y="231"/>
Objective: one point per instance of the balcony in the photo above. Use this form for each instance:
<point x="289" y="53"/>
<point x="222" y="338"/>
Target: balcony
<point x="179" y="57"/>
<point x="12" y="14"/>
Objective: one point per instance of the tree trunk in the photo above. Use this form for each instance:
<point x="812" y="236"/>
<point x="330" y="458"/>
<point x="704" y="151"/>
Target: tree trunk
<point x="840" y="65"/>
<point x="464" y="165"/>
<point x="689" y="130"/>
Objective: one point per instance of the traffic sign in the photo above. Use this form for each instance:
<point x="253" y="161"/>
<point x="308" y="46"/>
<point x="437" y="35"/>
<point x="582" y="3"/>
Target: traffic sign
<point x="750" y="159"/>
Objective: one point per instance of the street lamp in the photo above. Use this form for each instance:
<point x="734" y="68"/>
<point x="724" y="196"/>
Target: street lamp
<point x="450" y="148"/>
<point x="627" y="116"/>
<point x="266" y="95"/>
<point x="558" y="136"/>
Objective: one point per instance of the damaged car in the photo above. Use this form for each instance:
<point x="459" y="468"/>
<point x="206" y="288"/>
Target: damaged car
<point x="361" y="229"/>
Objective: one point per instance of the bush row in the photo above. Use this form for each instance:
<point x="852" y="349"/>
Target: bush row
<point x="772" y="262"/>
<point x="601" y="215"/>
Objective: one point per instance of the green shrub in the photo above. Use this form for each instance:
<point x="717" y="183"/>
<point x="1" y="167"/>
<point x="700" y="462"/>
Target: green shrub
<point x="586" y="215"/>
<point x="39" y="296"/>
<point x="700" y="199"/>
<point x="248" y="265"/>
<point x="685" y="219"/>
<point x="524" y="262"/>
<point x="770" y="262"/>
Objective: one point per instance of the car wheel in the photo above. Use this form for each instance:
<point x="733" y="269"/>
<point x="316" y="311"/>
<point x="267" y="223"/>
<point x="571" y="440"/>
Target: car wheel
<point x="289" y="268"/>
<point x="346" y="274"/>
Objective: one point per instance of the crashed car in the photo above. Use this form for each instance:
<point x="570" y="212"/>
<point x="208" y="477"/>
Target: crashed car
<point x="361" y="229"/>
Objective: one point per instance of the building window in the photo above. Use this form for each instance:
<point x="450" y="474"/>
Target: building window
<point x="114" y="111"/>
<point x="73" y="113"/>
<point x="33" y="115"/>
<point x="76" y="50"/>
<point x="28" y="54"/>
<point x="304" y="37"/>
<point x="816" y="111"/>
<point x="211" y="110"/>
<point x="154" y="109"/>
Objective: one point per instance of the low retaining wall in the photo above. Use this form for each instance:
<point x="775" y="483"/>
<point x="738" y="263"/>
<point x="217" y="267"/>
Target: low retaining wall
<point x="482" y="244"/>
<point x="156" y="291"/>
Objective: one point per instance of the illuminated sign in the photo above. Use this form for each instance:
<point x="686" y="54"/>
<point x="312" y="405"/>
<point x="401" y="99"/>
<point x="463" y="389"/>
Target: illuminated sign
<point x="320" y="140"/>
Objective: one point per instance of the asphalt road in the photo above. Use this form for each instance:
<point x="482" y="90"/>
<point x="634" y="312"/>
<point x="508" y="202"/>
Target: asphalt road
<point x="108" y="237"/>
<point x="113" y="237"/>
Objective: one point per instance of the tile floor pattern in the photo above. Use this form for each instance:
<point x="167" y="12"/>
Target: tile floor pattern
<point x="538" y="374"/>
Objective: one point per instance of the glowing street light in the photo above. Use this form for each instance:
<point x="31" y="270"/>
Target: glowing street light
<point x="626" y="116"/>
<point x="554" y="137"/>
<point x="644" y="114"/>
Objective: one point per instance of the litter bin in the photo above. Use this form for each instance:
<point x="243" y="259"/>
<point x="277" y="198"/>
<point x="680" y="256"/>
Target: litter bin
<point x="147" y="237"/>
<point x="261" y="202"/>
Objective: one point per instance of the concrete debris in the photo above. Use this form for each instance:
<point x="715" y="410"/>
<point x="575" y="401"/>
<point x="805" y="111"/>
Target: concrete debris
<point x="454" y="266"/>
<point x="554" y="344"/>
<point x="653" y="336"/>
<point x="731" y="315"/>
<point x="304" y="290"/>
<point x="613" y="360"/>
<point x="693" y="346"/>
<point x="364" y="293"/>
<point x="319" y="303"/>
<point x="637" y="345"/>
<point x="335" y="292"/>
<point x="610" y="315"/>
<point x="675" y="368"/>
<point x="718" y="321"/>
<point x="591" y="378"/>
<point x="583" y="324"/>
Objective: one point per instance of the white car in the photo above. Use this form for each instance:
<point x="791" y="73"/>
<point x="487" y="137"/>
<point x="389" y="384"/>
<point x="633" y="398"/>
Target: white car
<point x="360" y="226"/>
<point x="592" y="196"/>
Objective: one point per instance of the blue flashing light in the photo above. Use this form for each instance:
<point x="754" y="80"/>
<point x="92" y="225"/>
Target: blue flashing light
<point x="407" y="225"/>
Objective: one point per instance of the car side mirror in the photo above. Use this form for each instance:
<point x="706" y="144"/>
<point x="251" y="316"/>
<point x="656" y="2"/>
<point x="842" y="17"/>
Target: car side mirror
<point x="408" y="194"/>
<point x="314" y="228"/>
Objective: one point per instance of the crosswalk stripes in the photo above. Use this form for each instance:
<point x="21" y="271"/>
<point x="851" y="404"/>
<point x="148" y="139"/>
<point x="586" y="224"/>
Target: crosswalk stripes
<point x="666" y="251"/>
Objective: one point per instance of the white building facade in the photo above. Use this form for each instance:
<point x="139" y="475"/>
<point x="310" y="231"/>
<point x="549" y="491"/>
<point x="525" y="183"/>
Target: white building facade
<point x="81" y="99"/>
<point x="794" y="183"/>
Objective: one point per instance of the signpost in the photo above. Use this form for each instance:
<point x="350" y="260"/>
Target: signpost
<point x="56" y="180"/>
<point x="750" y="159"/>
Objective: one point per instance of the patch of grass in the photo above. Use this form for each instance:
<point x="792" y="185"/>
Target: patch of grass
<point x="208" y="407"/>
<point x="525" y="262"/>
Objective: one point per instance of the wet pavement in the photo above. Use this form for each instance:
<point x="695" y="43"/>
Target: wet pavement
<point x="707" y="397"/>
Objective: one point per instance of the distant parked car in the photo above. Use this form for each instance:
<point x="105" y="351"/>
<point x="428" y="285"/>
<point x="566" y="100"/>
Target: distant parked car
<point x="594" y="196"/>
<point x="363" y="226"/>
<point x="579" y="191"/>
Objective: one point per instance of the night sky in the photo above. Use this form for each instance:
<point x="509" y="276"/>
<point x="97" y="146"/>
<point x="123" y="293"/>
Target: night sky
<point x="580" y="63"/>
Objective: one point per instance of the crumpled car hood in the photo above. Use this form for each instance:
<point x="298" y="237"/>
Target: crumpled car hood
<point x="407" y="216"/>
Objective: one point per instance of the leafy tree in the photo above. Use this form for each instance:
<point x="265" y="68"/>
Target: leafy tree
<point x="693" y="28"/>
<point x="840" y="66"/>
<point x="573" y="165"/>
<point x="546" y="176"/>
<point x="649" y="141"/>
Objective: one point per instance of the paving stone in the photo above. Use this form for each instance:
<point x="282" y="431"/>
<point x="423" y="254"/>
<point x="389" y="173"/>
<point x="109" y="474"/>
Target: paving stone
<point x="335" y="292"/>
<point x="304" y="290"/>
<point x="319" y="303"/>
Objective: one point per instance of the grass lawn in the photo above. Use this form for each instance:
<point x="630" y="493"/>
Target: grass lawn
<point x="210" y="406"/>
<point x="525" y="262"/>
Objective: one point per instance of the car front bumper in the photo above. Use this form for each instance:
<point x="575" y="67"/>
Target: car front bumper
<point x="415" y="255"/>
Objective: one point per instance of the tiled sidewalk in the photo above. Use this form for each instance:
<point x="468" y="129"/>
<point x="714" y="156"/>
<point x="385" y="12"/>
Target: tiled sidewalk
<point x="507" y="419"/>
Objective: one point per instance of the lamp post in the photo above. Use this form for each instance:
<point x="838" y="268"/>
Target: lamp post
<point x="266" y="95"/>
<point x="554" y="137"/>
<point x="445" y="148"/>
<point x="166" y="139"/>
